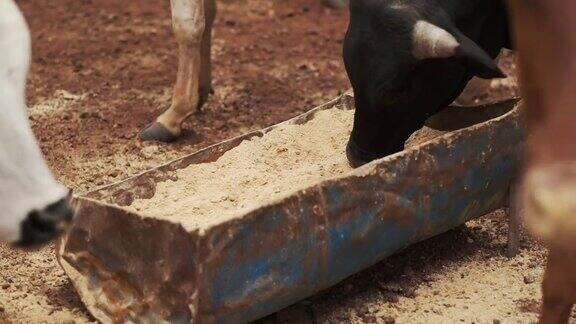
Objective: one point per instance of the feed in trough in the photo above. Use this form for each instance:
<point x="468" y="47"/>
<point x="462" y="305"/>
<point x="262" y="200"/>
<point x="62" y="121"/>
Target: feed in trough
<point x="261" y="170"/>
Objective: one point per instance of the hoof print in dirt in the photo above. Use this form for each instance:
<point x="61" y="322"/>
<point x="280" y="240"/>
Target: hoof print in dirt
<point x="157" y="132"/>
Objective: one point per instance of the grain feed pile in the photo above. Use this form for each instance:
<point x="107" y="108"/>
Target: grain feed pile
<point x="259" y="171"/>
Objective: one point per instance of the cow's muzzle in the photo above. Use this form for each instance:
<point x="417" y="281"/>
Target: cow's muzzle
<point x="41" y="226"/>
<point x="358" y="156"/>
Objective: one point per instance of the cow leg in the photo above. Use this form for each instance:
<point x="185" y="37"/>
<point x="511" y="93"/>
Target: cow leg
<point x="205" y="55"/>
<point x="548" y="192"/>
<point x="558" y="287"/>
<point x="188" y="22"/>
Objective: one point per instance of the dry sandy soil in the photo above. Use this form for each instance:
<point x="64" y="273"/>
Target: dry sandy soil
<point x="103" y="69"/>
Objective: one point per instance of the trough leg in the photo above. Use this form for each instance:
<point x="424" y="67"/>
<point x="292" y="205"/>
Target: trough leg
<point x="189" y="24"/>
<point x="514" y="222"/>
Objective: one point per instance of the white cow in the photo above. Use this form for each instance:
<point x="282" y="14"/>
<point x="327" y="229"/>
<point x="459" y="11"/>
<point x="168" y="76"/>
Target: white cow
<point x="192" y="21"/>
<point x="33" y="206"/>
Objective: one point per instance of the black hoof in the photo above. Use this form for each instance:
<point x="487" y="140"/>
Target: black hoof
<point x="157" y="132"/>
<point x="336" y="4"/>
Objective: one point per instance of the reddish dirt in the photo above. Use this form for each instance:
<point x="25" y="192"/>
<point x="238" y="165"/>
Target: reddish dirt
<point x="273" y="60"/>
<point x="102" y="70"/>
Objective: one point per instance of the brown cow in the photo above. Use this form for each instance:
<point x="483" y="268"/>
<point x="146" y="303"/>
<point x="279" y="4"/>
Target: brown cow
<point x="192" y="21"/>
<point x="546" y="44"/>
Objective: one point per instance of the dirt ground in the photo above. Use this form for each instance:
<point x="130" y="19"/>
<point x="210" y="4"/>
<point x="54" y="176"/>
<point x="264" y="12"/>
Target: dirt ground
<point x="104" y="69"/>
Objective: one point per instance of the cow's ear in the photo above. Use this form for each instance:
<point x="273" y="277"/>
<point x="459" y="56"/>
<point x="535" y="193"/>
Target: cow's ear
<point x="431" y="41"/>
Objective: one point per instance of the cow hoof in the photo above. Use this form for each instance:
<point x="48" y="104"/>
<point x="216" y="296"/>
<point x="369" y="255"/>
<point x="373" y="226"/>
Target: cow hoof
<point x="336" y="4"/>
<point x="157" y="132"/>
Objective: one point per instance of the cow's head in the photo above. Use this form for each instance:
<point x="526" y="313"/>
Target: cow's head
<point x="33" y="206"/>
<point x="405" y="63"/>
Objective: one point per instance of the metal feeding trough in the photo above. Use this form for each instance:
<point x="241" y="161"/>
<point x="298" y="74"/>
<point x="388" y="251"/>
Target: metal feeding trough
<point x="127" y="267"/>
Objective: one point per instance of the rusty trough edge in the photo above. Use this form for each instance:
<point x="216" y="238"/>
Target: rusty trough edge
<point x="249" y="267"/>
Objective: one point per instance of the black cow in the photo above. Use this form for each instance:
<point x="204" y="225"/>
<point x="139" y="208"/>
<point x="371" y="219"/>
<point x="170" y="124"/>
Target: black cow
<point x="408" y="59"/>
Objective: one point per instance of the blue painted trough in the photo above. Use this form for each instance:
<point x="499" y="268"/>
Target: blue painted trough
<point x="127" y="267"/>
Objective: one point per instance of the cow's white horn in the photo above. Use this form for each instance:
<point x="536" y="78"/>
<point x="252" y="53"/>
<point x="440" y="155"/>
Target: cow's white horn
<point x="431" y="41"/>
